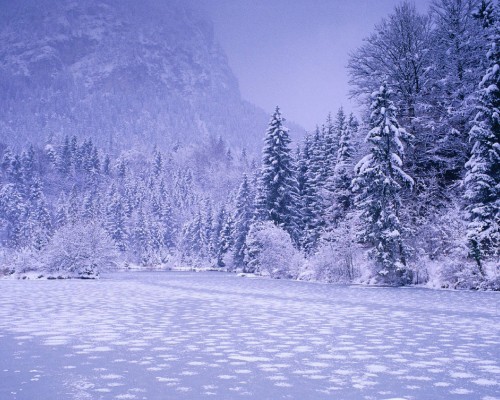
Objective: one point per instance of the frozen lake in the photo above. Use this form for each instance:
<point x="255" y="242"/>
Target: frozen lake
<point x="219" y="336"/>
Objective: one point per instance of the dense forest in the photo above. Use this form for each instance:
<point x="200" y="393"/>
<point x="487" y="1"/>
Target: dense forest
<point x="406" y="193"/>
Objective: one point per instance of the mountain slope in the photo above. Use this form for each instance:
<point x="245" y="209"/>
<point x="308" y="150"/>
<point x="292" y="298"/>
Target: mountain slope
<point x="127" y="73"/>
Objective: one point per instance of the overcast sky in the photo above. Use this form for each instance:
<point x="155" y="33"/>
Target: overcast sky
<point x="293" y="53"/>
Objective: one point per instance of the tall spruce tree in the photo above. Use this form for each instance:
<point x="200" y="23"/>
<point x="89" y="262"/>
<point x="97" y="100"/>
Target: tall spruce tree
<point x="242" y="221"/>
<point x="277" y="190"/>
<point x="482" y="179"/>
<point x="331" y="145"/>
<point x="313" y="162"/>
<point x="378" y="182"/>
<point x="338" y="195"/>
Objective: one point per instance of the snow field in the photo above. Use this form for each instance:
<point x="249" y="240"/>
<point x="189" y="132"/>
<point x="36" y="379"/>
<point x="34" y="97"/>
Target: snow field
<point x="210" y="335"/>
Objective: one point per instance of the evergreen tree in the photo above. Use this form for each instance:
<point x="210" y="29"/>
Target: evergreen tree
<point x="303" y="155"/>
<point x="277" y="190"/>
<point x="208" y="227"/>
<point x="331" y="143"/>
<point x="51" y="154"/>
<point x="95" y="161"/>
<point x="121" y="169"/>
<point x="158" y="164"/>
<point x="12" y="212"/>
<point x="242" y="221"/>
<point x="28" y="166"/>
<point x="7" y="159"/>
<point x="482" y="179"/>
<point x="61" y="217"/>
<point x="106" y="169"/>
<point x="377" y="184"/>
<point x="338" y="194"/>
<point x="193" y="241"/>
<point x="39" y="220"/>
<point x="226" y="239"/>
<point x="339" y="127"/>
<point x="311" y="169"/>
<point x="76" y="154"/>
<point x="65" y="158"/>
<point x="217" y="247"/>
<point x="116" y="220"/>
<point x="457" y="66"/>
<point x="141" y="236"/>
<point x="16" y="170"/>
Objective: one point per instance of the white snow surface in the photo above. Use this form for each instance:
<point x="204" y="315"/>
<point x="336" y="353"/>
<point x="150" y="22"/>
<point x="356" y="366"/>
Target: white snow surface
<point x="213" y="335"/>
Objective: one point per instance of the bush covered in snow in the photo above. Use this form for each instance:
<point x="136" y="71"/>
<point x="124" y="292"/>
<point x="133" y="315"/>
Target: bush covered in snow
<point x="442" y="255"/>
<point x="23" y="261"/>
<point x="336" y="257"/>
<point x="269" y="251"/>
<point x="79" y="251"/>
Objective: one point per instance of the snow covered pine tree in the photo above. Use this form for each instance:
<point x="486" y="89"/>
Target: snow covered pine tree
<point x="377" y="185"/>
<point x="482" y="179"/>
<point x="277" y="195"/>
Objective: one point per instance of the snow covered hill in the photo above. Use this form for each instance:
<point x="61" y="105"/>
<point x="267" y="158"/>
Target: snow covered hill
<point x="126" y="73"/>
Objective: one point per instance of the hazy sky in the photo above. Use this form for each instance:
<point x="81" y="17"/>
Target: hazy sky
<point x="294" y="52"/>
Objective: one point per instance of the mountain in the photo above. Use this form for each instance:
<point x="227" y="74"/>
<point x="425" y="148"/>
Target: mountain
<point x="127" y="73"/>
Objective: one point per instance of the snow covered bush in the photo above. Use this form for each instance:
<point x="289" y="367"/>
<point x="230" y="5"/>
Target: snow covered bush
<point x="334" y="261"/>
<point x="24" y="261"/>
<point x="269" y="251"/>
<point x="79" y="251"/>
<point x="442" y="255"/>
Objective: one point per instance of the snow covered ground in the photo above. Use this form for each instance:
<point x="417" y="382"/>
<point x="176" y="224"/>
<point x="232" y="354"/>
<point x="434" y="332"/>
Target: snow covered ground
<point x="212" y="335"/>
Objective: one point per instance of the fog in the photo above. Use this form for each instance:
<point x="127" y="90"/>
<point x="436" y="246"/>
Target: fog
<point x="294" y="53"/>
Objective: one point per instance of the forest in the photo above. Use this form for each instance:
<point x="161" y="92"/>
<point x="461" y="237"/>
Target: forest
<point x="407" y="192"/>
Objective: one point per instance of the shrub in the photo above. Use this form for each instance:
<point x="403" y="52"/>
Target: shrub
<point x="269" y="251"/>
<point x="79" y="251"/>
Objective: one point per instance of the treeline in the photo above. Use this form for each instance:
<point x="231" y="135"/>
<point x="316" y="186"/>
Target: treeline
<point x="114" y="211"/>
<point x="408" y="195"/>
<point x="419" y="201"/>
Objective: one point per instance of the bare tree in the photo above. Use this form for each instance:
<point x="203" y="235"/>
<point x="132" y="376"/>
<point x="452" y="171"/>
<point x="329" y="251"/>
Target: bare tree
<point x="398" y="52"/>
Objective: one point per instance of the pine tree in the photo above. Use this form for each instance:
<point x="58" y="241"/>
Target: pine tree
<point x="51" y="154"/>
<point x="311" y="167"/>
<point x="303" y="155"/>
<point x="277" y="190"/>
<point x="106" y="169"/>
<point x="158" y="164"/>
<point x="208" y="227"/>
<point x="116" y="220"/>
<point x="331" y="144"/>
<point x="226" y="238"/>
<point x="458" y="48"/>
<point x="141" y="236"/>
<point x="229" y="158"/>
<point x="28" y="166"/>
<point x="482" y="179"/>
<point x="217" y="248"/>
<point x="121" y="168"/>
<point x="378" y="182"/>
<point x="12" y="211"/>
<point x="73" y="209"/>
<point x="242" y="221"/>
<point x="65" y="158"/>
<point x="340" y="126"/>
<point x="61" y="217"/>
<point x="193" y="241"/>
<point x="76" y="154"/>
<point x="7" y="159"/>
<point x="95" y="161"/>
<point x="39" y="219"/>
<point x="338" y="194"/>
<point x="16" y="170"/>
